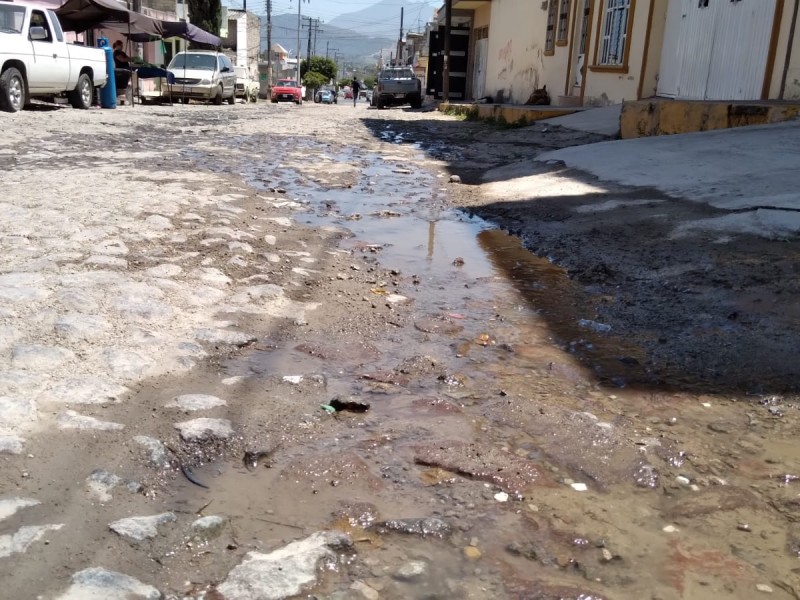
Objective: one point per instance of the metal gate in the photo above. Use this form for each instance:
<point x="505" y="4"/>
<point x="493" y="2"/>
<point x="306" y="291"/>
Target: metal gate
<point x="459" y="44"/>
<point x="716" y="49"/>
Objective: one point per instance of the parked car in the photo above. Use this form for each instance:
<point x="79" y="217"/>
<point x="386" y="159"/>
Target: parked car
<point x="287" y="90"/>
<point x="246" y="87"/>
<point x="35" y="61"/>
<point x="397" y="85"/>
<point x="318" y="96"/>
<point x="202" y="75"/>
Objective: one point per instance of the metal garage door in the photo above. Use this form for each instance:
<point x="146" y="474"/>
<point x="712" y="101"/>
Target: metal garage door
<point x="716" y="49"/>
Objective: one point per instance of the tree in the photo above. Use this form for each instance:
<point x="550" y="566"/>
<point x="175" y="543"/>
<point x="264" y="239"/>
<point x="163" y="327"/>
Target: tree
<point x="206" y="14"/>
<point x="319" y="64"/>
<point x="370" y="81"/>
<point x="315" y="80"/>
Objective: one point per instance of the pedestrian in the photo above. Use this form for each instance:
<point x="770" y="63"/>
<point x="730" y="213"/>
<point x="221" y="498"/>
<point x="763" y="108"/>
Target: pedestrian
<point x="355" y="85"/>
<point x="121" y="59"/>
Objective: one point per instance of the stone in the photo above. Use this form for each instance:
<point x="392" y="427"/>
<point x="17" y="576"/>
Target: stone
<point x="271" y="240"/>
<point x="22" y="294"/>
<point x="9" y="335"/>
<point x="366" y="591"/>
<point x="224" y="336"/>
<point x="427" y="526"/>
<point x="78" y="301"/>
<point x="111" y="247"/>
<point x="501" y="497"/>
<point x="141" y="528"/>
<point x="10" y="506"/>
<point x="205" y="429"/>
<point x="19" y="542"/>
<point x="284" y="572"/>
<point x="40" y="358"/>
<point x="158" y="451"/>
<point x="158" y="223"/>
<point x="282" y="221"/>
<point x="97" y="583"/>
<point x="411" y="570"/>
<point x="20" y="383"/>
<point x="69" y="419"/>
<point x="101" y="482"/>
<point x="126" y="364"/>
<point x="208" y="527"/>
<point x="77" y="327"/>
<point x="213" y="277"/>
<point x="86" y="390"/>
<point x="16" y="412"/>
<point x="455" y="179"/>
<point x="191" y="402"/>
<point x="11" y="444"/>
<point x="204" y="295"/>
<point x="164" y="270"/>
<point x="101" y="260"/>
<point x="472" y="553"/>
<point x="763" y="587"/>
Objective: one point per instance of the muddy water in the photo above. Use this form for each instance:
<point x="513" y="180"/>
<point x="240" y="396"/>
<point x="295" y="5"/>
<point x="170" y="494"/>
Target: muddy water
<point x="575" y="485"/>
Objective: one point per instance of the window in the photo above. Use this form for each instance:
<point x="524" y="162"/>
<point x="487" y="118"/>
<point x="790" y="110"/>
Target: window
<point x="563" y="22"/>
<point x="38" y="20"/>
<point x="56" y="25"/>
<point x="614" y="35"/>
<point x="550" y="36"/>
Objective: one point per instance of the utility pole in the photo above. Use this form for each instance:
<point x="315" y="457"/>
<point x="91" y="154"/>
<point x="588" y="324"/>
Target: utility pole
<point x="269" y="48"/>
<point x="400" y="40"/>
<point x="448" y="16"/>
<point x="316" y="31"/>
<point x="308" y="51"/>
<point x="299" y="27"/>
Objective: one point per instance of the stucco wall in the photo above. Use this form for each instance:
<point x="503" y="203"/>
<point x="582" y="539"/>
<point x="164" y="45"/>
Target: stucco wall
<point x="650" y="81"/>
<point x="482" y="17"/>
<point x="602" y="88"/>
<point x="792" y="91"/>
<point x="516" y="49"/>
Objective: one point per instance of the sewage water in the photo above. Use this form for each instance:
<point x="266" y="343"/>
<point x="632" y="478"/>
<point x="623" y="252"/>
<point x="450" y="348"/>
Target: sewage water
<point x="503" y="329"/>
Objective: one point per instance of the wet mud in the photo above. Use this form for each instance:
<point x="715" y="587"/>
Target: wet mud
<point x="507" y="451"/>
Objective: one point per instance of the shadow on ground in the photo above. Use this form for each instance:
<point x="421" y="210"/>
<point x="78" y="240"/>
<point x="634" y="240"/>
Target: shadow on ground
<point x="650" y="301"/>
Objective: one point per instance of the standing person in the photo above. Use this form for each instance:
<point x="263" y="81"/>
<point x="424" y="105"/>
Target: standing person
<point x="355" y="85"/>
<point x="121" y="60"/>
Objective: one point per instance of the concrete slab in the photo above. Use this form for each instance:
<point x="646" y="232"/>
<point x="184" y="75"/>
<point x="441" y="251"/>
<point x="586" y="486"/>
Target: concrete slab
<point x="750" y="171"/>
<point x="604" y="120"/>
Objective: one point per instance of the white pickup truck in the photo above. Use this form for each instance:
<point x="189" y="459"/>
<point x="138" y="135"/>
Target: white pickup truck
<point x="35" y="61"/>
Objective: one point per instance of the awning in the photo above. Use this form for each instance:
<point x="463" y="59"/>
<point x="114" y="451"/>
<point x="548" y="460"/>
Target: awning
<point x="80" y="15"/>
<point x="165" y="29"/>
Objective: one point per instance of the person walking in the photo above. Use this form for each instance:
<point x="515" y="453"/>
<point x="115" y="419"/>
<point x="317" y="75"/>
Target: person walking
<point x="356" y="86"/>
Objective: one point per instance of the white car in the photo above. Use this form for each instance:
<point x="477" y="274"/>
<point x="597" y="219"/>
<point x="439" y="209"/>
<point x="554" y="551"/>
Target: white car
<point x="246" y="87"/>
<point x="202" y="75"/>
<point x="35" y="61"/>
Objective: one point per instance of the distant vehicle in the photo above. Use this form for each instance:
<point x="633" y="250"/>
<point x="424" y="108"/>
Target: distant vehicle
<point x="287" y="90"/>
<point x="397" y="85"/>
<point x="202" y="75"/>
<point x="326" y="97"/>
<point x="246" y="87"/>
<point x="318" y="95"/>
<point x="35" y="61"/>
<point x="348" y="94"/>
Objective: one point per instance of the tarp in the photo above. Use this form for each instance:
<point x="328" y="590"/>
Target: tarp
<point x="168" y="29"/>
<point x="80" y="15"/>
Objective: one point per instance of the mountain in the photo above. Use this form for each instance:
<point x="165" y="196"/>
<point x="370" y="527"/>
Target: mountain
<point x="355" y="47"/>
<point x="383" y="18"/>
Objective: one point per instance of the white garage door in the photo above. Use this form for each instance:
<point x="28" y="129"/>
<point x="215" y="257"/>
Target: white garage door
<point x="716" y="49"/>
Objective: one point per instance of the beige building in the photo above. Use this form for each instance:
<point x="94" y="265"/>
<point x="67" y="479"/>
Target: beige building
<point x="599" y="52"/>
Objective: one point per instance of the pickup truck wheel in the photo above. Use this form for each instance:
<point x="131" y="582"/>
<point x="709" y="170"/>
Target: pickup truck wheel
<point x="218" y="97"/>
<point x="81" y="96"/>
<point x="379" y="103"/>
<point x="12" y="90"/>
<point x="416" y="101"/>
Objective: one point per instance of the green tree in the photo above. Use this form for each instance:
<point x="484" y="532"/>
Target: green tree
<point x="370" y="81"/>
<point x="206" y="14"/>
<point x="314" y="80"/>
<point x="320" y="64"/>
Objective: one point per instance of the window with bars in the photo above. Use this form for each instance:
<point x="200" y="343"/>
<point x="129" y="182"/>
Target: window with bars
<point x="550" y="36"/>
<point x="563" y="21"/>
<point x="614" y="33"/>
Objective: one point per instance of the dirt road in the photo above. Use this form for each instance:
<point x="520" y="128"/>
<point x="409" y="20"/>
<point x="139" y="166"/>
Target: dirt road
<point x="253" y="352"/>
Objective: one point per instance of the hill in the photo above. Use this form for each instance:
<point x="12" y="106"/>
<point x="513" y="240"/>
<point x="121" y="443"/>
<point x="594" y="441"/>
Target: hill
<point x="383" y="18"/>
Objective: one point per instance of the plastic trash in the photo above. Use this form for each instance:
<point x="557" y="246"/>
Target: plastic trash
<point x="594" y="326"/>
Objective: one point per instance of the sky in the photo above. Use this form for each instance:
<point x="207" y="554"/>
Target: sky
<point x="325" y="10"/>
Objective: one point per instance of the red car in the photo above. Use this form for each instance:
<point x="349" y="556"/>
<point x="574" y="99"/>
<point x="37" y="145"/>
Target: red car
<point x="287" y="90"/>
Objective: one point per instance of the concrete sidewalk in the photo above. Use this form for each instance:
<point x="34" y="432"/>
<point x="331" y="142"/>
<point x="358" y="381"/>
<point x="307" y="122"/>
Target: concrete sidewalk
<point x="754" y="171"/>
<point x="604" y="120"/>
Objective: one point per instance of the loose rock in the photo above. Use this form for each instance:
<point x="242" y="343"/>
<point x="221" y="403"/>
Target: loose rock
<point x="192" y="402"/>
<point x="141" y="528"/>
<point x="97" y="583"/>
<point x="69" y="419"/>
<point x="205" y="429"/>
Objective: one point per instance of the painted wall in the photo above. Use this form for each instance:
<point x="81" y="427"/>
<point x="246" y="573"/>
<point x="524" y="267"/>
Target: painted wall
<point x="482" y="17"/>
<point x="603" y="89"/>
<point x="792" y="91"/>
<point x="516" y="49"/>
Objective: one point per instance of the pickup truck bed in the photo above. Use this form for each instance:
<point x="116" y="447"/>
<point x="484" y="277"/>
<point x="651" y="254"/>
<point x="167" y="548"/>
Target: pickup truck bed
<point x="35" y="61"/>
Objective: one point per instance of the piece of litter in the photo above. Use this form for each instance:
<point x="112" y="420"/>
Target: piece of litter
<point x="763" y="587"/>
<point x="293" y="378"/>
<point x="670" y="529"/>
<point x="501" y="497"/>
<point x="579" y="487"/>
<point x="706" y="404"/>
<point x="327" y="408"/>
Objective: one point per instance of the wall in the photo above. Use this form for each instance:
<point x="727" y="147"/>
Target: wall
<point x="603" y="89"/>
<point x="516" y="49"/>
<point x="649" y="83"/>
<point x="792" y="91"/>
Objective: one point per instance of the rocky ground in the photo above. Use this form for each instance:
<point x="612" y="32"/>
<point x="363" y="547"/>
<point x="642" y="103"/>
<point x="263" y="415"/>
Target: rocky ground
<point x="252" y="352"/>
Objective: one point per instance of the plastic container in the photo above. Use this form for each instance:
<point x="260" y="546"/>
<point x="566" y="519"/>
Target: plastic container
<point x="108" y="93"/>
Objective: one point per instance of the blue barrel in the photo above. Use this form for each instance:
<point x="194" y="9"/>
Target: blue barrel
<point x="108" y="93"/>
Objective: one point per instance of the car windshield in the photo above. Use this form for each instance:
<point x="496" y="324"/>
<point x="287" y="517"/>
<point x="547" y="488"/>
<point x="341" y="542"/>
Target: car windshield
<point x="11" y="18"/>
<point x="397" y="74"/>
<point x="241" y="72"/>
<point x="287" y="83"/>
<point x="200" y="62"/>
